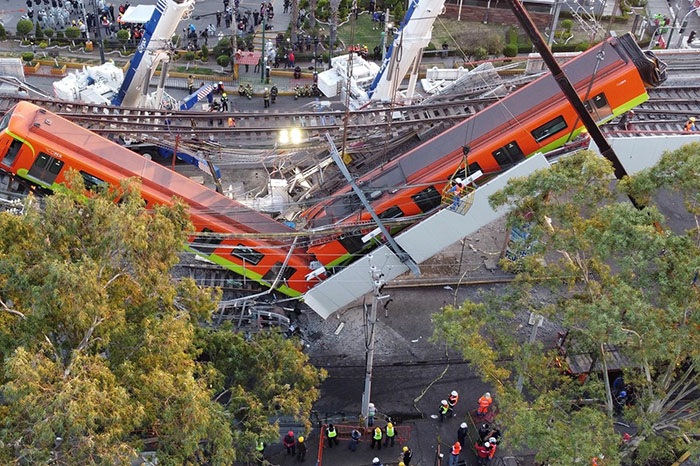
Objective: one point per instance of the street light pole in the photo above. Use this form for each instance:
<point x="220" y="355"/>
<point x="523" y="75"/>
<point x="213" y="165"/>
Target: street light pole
<point x="262" y="57"/>
<point x="98" y="32"/>
<point x="683" y="23"/>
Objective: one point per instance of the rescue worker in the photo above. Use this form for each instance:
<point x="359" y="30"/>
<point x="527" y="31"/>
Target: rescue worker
<point x="444" y="409"/>
<point x="332" y="435"/>
<point x="260" y="448"/>
<point x="390" y="435"/>
<point x="190" y="84"/>
<point x="482" y="451"/>
<point x="376" y="462"/>
<point x="484" y="431"/>
<point x="690" y="125"/>
<point x="377" y="438"/>
<point x="224" y="102"/>
<point x="484" y="403"/>
<point x="372" y="411"/>
<point x="462" y="433"/>
<point x="290" y="442"/>
<point x="266" y="97"/>
<point x="454" y="454"/>
<point x="354" y="439"/>
<point x="301" y="449"/>
<point x="407" y="455"/>
<point x="453" y="399"/>
<point x="455" y="193"/>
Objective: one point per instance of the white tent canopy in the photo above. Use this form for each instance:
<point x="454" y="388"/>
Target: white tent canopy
<point x="138" y="14"/>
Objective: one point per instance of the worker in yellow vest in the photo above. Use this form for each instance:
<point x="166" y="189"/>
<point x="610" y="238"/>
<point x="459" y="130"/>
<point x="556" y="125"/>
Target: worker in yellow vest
<point x="332" y="435"/>
<point x="390" y="435"/>
<point x="377" y="438"/>
<point x="260" y="447"/>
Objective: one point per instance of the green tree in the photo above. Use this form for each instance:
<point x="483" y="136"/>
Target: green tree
<point x="567" y="24"/>
<point x="28" y="57"/>
<point x="72" y="33"/>
<point x="38" y="34"/>
<point x="24" y="27"/>
<point x="617" y="279"/>
<point x="3" y="32"/>
<point x="205" y="53"/>
<point x="510" y="50"/>
<point x="223" y="60"/>
<point x="264" y="378"/>
<point x="123" y="37"/>
<point x="97" y="341"/>
<point x="49" y="33"/>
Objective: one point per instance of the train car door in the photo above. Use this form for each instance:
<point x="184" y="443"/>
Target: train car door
<point x="45" y="168"/>
<point x="598" y="107"/>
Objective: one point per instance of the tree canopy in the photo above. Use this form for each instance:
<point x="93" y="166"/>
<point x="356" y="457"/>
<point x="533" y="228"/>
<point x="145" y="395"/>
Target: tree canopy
<point x="618" y="279"/>
<point x="104" y="354"/>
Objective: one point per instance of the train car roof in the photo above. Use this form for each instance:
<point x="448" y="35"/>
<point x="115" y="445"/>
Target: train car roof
<point x="521" y="102"/>
<point x="61" y="134"/>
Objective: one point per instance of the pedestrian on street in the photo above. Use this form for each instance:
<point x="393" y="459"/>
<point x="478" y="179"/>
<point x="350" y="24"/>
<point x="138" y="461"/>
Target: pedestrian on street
<point x="331" y="433"/>
<point x="444" y="409"/>
<point x="377" y="438"/>
<point x="290" y="442"/>
<point x="190" y="84"/>
<point x="407" y="455"/>
<point x="291" y="59"/>
<point x="454" y="454"/>
<point x="218" y="19"/>
<point x="370" y="414"/>
<point x="484" y="403"/>
<point x="390" y="435"/>
<point x="354" y="439"/>
<point x="462" y="433"/>
<point x="301" y="449"/>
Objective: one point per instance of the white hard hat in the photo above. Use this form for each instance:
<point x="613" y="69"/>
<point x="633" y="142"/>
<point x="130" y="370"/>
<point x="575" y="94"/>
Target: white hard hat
<point x="487" y="395"/>
<point x="371" y="405"/>
<point x="492" y="440"/>
<point x="454" y="392"/>
<point x="487" y="444"/>
<point x="444" y="402"/>
<point x="463" y="425"/>
<point x="458" y="181"/>
<point x="375" y="460"/>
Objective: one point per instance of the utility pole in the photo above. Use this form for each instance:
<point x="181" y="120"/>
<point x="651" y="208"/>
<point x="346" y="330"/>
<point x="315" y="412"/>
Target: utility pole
<point x="566" y="87"/>
<point x="98" y="31"/>
<point x="262" y="57"/>
<point x="555" y="21"/>
<point x="378" y="284"/>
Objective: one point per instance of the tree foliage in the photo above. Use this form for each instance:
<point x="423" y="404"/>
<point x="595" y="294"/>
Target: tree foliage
<point x="24" y="27"/>
<point x="618" y="279"/>
<point x="101" y="348"/>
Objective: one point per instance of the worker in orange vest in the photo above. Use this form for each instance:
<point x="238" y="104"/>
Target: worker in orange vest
<point x="690" y="125"/>
<point x="454" y="456"/>
<point x="484" y="403"/>
<point x="453" y="398"/>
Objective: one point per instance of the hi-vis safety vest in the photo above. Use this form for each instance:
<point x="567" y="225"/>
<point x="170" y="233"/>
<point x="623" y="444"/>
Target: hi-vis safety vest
<point x="443" y="409"/>
<point x="389" y="431"/>
<point x="377" y="434"/>
<point x="456" y="449"/>
<point x="332" y="433"/>
<point x="260" y="446"/>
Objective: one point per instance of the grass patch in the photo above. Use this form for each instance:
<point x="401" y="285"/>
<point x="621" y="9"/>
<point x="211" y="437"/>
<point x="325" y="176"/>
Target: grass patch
<point x="363" y="33"/>
<point x="193" y="70"/>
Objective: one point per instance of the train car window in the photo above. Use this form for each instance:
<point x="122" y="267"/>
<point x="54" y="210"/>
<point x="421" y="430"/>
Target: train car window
<point x="45" y="168"/>
<point x="91" y="181"/>
<point x="428" y="199"/>
<point x="12" y="152"/>
<point x="598" y="107"/>
<point x="271" y="274"/>
<point x="206" y="244"/>
<point x="352" y="243"/>
<point x="392" y="212"/>
<point x="473" y="168"/>
<point x="249" y="255"/>
<point x="551" y="127"/>
<point x="5" y="122"/>
<point x="508" y="154"/>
